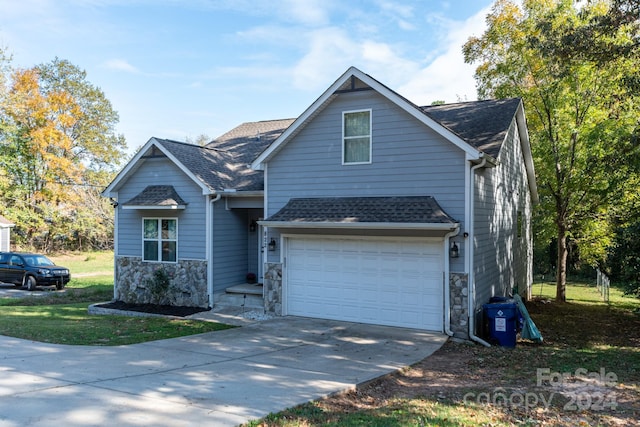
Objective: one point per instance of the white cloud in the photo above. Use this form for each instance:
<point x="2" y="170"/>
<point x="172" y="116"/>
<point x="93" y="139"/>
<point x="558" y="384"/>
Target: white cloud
<point x="121" y="65"/>
<point x="400" y="13"/>
<point x="448" y="77"/>
<point x="309" y="12"/>
<point x="331" y="51"/>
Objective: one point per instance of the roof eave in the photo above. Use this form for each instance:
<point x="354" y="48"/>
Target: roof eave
<point x="241" y="193"/>
<point x="525" y="144"/>
<point x="362" y="225"/>
<point x="155" y="207"/>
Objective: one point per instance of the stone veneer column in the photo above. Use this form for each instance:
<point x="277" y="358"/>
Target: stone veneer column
<point x="273" y="288"/>
<point x="187" y="282"/>
<point x="459" y="304"/>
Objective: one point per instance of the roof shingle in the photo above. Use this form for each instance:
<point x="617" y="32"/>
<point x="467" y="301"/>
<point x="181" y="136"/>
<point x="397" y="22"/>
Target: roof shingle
<point x="224" y="162"/>
<point x="481" y="124"/>
<point x="157" y="195"/>
<point x="407" y="209"/>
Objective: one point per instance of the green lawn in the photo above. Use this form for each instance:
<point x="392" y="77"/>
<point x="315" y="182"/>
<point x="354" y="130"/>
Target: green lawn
<point x="86" y="263"/>
<point x="62" y="318"/>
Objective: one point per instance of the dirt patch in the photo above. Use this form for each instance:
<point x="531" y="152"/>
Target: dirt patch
<point x="462" y="374"/>
<point x="168" y="310"/>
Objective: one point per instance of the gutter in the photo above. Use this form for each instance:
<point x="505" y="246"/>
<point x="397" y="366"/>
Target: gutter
<point x="447" y="290"/>
<point x="472" y="281"/>
<point x="361" y="225"/>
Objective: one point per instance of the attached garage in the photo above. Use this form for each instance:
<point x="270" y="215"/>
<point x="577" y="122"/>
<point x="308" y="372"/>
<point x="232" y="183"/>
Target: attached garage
<point x="385" y="281"/>
<point x="377" y="260"/>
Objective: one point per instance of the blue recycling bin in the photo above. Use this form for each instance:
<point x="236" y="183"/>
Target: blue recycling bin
<point x="502" y="320"/>
<point x="520" y="323"/>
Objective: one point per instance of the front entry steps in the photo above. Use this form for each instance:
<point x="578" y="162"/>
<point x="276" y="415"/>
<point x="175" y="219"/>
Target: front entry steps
<point x="246" y="295"/>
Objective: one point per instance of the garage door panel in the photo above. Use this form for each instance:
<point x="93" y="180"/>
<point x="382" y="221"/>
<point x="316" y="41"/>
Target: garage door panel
<point x="394" y="282"/>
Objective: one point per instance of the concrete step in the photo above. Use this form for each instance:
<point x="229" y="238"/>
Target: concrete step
<point x="239" y="300"/>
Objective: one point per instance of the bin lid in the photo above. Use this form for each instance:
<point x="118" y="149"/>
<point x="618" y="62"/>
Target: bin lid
<point x="494" y="305"/>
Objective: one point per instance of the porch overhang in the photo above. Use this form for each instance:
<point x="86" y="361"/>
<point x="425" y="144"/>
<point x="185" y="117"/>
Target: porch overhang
<point x="377" y="215"/>
<point x="156" y="197"/>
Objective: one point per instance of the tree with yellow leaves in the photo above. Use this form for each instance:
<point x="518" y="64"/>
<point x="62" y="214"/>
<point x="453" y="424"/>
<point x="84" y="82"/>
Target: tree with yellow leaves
<point x="57" y="138"/>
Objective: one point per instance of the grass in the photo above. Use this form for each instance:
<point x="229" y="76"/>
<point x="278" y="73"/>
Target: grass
<point x="396" y="412"/>
<point x="62" y="317"/>
<point x="86" y="263"/>
<point x="583" y="333"/>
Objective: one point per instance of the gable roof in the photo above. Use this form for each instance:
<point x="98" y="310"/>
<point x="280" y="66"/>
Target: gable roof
<point x="235" y="160"/>
<point x="365" y="212"/>
<point x="221" y="164"/>
<point x="355" y="79"/>
<point x="478" y="128"/>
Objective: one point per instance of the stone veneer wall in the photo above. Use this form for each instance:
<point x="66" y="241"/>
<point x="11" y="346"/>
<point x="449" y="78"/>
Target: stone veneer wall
<point x="187" y="282"/>
<point x="459" y="304"/>
<point x="273" y="288"/>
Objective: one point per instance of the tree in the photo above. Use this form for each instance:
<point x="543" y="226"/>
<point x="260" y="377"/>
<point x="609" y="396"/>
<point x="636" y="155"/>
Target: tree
<point x="57" y="146"/>
<point x="582" y="108"/>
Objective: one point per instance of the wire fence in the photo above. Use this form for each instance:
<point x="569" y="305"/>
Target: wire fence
<point x="602" y="283"/>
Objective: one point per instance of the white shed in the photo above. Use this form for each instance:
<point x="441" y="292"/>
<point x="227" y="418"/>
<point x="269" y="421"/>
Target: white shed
<point x="5" y="234"/>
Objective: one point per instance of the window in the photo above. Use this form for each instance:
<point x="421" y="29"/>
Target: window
<point x="160" y="239"/>
<point x="356" y="137"/>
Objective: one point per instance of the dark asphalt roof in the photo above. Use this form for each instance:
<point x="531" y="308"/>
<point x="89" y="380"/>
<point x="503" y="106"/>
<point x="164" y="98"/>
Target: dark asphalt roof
<point x="481" y="124"/>
<point x="406" y="209"/>
<point x="225" y="162"/>
<point x="157" y="195"/>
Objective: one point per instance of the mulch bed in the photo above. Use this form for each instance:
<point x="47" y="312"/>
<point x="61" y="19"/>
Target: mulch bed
<point x="171" y="310"/>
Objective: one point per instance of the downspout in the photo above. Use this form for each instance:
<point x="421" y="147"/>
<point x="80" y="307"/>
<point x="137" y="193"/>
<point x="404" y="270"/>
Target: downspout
<point x="472" y="279"/>
<point x="447" y="290"/>
<point x="114" y="203"/>
<point x="209" y="231"/>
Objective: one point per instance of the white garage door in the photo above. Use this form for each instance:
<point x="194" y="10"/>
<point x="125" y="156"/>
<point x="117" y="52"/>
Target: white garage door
<point x="395" y="282"/>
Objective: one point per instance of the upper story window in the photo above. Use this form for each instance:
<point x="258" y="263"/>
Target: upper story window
<point x="160" y="239"/>
<point x="356" y="137"/>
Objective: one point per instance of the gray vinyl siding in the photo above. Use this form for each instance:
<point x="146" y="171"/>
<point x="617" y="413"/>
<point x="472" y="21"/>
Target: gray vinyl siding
<point x="502" y="259"/>
<point x="191" y="221"/>
<point x="407" y="159"/>
<point x="230" y="251"/>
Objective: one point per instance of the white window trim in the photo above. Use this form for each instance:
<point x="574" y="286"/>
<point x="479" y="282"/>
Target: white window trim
<point x="359" y="136"/>
<point x="160" y="240"/>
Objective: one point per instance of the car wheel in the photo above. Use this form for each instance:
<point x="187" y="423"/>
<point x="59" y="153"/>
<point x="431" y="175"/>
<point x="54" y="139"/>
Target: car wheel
<point x="30" y="283"/>
<point x="59" y="286"/>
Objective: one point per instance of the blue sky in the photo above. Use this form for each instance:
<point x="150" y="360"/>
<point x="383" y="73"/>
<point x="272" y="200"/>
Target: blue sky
<point x="177" y="69"/>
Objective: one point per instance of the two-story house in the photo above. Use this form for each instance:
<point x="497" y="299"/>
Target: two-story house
<point x="365" y="208"/>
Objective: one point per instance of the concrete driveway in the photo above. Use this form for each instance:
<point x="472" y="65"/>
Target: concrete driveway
<point x="221" y="378"/>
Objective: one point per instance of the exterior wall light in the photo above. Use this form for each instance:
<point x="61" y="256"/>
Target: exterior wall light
<point x="454" y="252"/>
<point x="272" y="245"/>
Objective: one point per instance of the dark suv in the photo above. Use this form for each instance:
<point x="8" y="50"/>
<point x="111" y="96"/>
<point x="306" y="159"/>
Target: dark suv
<point x="30" y="270"/>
